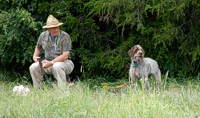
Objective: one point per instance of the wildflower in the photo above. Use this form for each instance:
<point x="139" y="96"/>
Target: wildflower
<point x="105" y="86"/>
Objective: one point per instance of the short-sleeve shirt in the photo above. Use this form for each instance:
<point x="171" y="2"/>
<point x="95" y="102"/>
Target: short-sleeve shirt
<point x="63" y="44"/>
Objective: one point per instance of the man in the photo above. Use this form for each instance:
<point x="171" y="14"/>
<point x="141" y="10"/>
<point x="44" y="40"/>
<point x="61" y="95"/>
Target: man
<point x="56" y="45"/>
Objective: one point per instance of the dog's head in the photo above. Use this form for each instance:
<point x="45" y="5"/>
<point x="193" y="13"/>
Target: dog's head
<point x="136" y="53"/>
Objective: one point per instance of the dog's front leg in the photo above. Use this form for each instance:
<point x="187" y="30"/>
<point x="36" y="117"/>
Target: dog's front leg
<point x="133" y="78"/>
<point x="147" y="84"/>
<point x="133" y="82"/>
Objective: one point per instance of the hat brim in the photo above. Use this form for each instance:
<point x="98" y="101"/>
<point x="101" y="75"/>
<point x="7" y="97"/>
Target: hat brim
<point x="52" y="26"/>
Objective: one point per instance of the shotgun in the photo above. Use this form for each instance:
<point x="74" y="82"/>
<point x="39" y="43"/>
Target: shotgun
<point x="40" y="64"/>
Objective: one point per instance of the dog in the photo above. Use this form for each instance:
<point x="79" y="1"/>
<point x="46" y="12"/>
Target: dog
<point x="143" y="68"/>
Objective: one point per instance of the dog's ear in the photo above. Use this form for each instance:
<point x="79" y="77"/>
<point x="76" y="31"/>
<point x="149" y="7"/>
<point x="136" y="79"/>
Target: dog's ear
<point x="131" y="51"/>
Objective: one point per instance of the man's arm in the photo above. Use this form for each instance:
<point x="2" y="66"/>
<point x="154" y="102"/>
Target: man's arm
<point x="37" y="53"/>
<point x="60" y="58"/>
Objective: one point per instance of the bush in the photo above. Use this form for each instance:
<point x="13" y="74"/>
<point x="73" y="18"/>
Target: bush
<point x="103" y="31"/>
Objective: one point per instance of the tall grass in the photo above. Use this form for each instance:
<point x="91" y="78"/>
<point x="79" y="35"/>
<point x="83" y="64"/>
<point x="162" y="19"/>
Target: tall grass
<point x="174" y="100"/>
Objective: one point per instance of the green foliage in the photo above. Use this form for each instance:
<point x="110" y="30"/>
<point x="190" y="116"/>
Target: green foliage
<point x="102" y="31"/>
<point x="18" y="31"/>
<point x="163" y="29"/>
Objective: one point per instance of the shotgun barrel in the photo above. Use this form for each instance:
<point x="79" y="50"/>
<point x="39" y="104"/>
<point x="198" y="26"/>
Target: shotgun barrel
<point x="40" y="64"/>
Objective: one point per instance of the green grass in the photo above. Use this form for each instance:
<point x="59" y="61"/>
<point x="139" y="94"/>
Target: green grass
<point x="175" y="100"/>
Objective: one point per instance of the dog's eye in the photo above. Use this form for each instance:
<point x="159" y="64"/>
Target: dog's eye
<point x="135" y="50"/>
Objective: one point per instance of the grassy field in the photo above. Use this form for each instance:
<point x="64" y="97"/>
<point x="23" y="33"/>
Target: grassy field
<point x="175" y="100"/>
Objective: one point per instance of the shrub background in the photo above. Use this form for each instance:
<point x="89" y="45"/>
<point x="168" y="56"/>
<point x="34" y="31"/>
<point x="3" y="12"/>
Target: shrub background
<point x="102" y="31"/>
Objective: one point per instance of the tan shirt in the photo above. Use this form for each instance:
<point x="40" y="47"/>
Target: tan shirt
<point x="54" y="47"/>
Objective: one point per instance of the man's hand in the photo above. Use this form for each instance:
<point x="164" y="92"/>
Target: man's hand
<point x="46" y="64"/>
<point x="35" y="58"/>
<point x="36" y="54"/>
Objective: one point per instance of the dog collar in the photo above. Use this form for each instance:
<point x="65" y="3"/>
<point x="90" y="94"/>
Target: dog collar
<point x="136" y="64"/>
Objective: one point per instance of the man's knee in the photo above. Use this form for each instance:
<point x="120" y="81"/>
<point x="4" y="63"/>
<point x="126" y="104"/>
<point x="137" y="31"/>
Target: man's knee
<point x="57" y="65"/>
<point x="33" y="66"/>
<point x="66" y="67"/>
<point x="70" y="66"/>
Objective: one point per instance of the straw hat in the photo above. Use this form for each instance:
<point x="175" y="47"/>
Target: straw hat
<point x="52" y="22"/>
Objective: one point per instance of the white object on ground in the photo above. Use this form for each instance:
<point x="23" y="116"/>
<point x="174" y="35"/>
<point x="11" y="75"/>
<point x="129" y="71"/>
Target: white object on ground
<point x="21" y="90"/>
